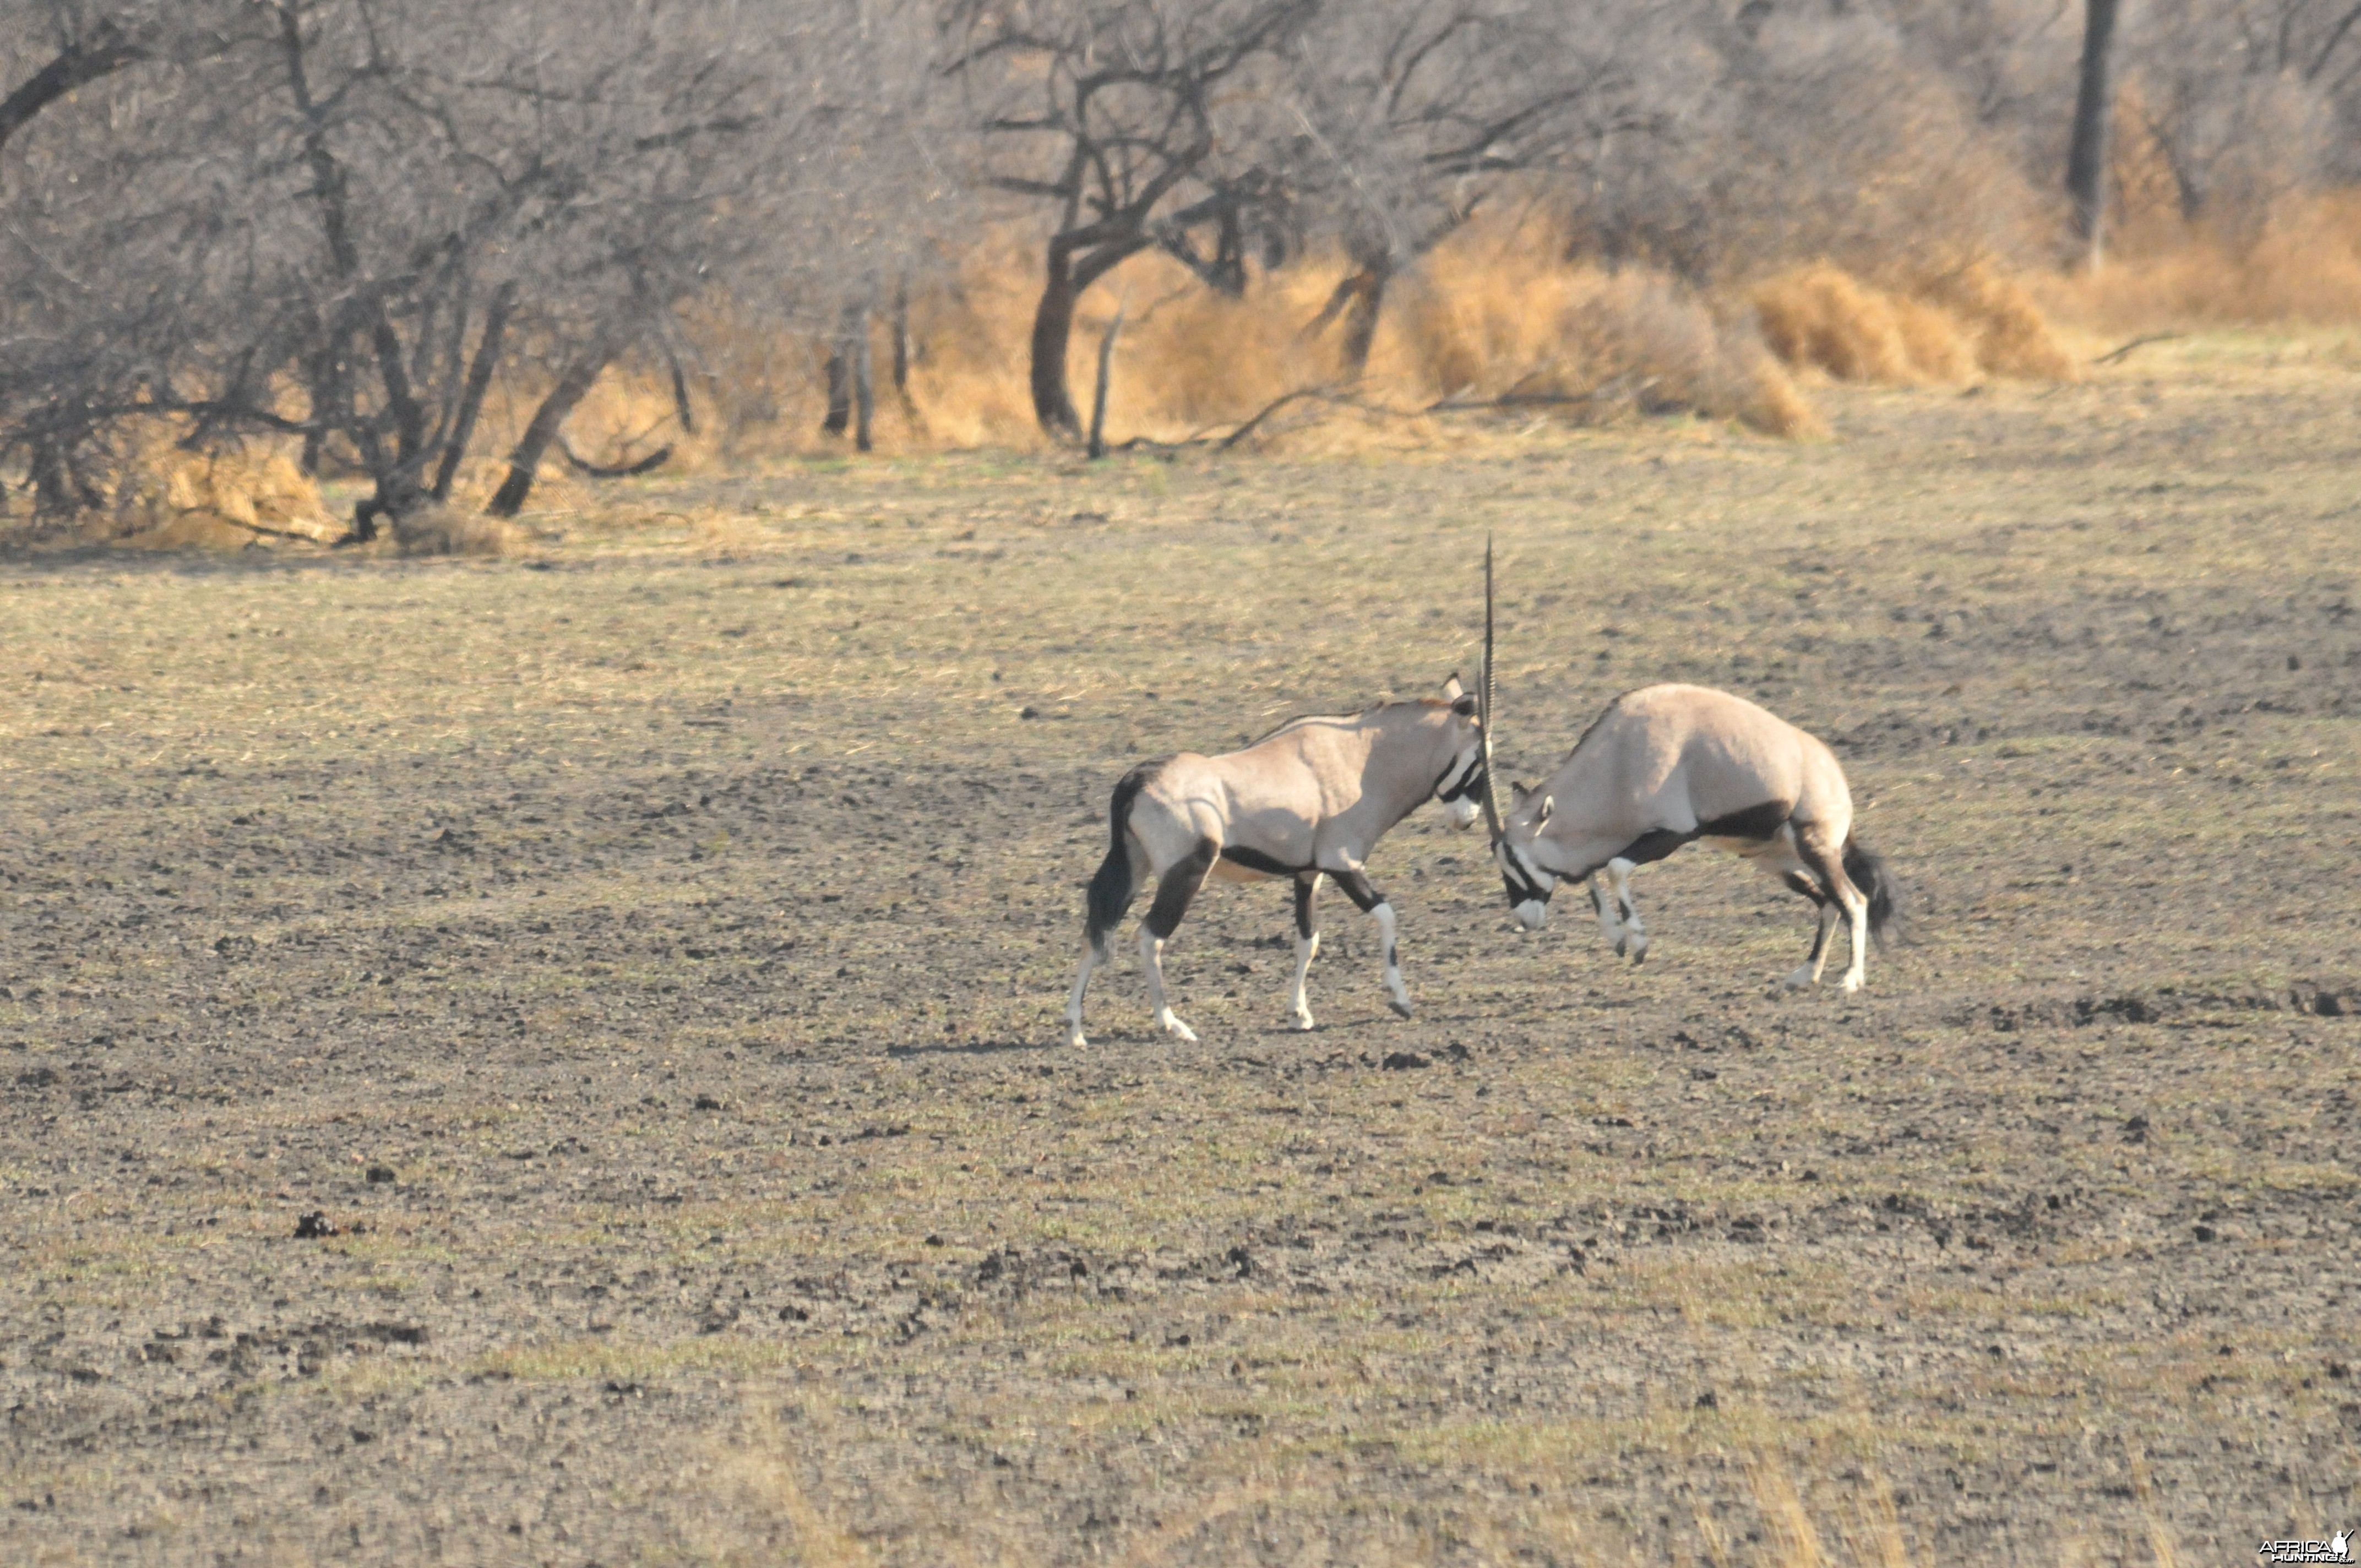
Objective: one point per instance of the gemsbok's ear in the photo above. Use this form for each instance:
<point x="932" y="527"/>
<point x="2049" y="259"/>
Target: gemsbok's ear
<point x="1464" y="705"/>
<point x="1549" y="803"/>
<point x="1452" y="688"/>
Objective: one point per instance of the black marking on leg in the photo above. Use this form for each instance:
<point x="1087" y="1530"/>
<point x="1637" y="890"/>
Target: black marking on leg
<point x="1827" y="864"/>
<point x="1356" y="888"/>
<point x="1598" y="899"/>
<point x="1820" y="929"/>
<point x="1256" y="860"/>
<point x="1176" y="887"/>
<point x="1757" y="822"/>
<point x="1823" y="864"/>
<point x="1307" y="906"/>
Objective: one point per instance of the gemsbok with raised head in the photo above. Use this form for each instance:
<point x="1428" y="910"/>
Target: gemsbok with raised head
<point x="1308" y="800"/>
<point x="1669" y="765"/>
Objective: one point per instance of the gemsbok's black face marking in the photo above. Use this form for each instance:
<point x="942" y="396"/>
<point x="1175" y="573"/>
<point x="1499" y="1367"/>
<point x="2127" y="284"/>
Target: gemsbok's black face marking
<point x="1463" y="780"/>
<point x="1529" y="886"/>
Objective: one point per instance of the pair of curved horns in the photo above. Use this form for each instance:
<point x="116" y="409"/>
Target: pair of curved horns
<point x="1492" y="818"/>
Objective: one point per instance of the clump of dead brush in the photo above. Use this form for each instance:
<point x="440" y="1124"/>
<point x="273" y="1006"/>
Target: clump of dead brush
<point x="446" y="531"/>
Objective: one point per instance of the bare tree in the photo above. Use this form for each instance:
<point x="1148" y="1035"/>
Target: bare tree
<point x="1131" y="119"/>
<point x="325" y="228"/>
<point x="2248" y="100"/>
<point x="1417" y="115"/>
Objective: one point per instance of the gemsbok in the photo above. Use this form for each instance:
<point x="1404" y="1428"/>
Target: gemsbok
<point x="1667" y="766"/>
<point x="1308" y="800"/>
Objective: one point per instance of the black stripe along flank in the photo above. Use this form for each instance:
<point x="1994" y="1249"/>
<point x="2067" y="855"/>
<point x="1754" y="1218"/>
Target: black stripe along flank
<point x="1256" y="860"/>
<point x="1757" y="822"/>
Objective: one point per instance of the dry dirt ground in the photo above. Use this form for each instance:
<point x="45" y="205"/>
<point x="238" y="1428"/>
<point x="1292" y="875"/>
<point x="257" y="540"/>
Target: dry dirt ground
<point x="645" y="957"/>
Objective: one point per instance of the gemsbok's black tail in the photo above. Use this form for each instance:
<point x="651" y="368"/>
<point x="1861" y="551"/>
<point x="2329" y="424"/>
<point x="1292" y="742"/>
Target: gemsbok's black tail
<point x="1867" y="871"/>
<point x="1112" y="888"/>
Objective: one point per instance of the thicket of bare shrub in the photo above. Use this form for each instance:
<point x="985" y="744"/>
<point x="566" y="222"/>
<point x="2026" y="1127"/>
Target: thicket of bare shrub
<point x="426" y="253"/>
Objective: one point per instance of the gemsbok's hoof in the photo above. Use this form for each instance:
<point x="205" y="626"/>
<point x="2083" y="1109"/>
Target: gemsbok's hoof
<point x="1402" y="1008"/>
<point x="1639" y="951"/>
<point x="1303" y="1022"/>
<point x="1177" y="1029"/>
<point x="1800" y="977"/>
<point x="1074" y="1037"/>
<point x="1851" y="984"/>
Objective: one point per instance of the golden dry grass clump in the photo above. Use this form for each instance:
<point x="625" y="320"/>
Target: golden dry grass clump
<point x="1504" y="317"/>
<point x="167" y="498"/>
<point x="1948" y="330"/>
<point x="2302" y="267"/>
<point x="452" y="530"/>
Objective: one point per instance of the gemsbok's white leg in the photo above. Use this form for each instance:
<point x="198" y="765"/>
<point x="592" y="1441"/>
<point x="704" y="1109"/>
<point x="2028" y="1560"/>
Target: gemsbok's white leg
<point x="1091" y="959"/>
<point x="1856" y="908"/>
<point x="1373" y="904"/>
<point x="1826" y="863"/>
<point x="1397" y="992"/>
<point x="1635" y="936"/>
<point x="1307" y="943"/>
<point x="1175" y="886"/>
<point x="1807" y="973"/>
<point x="1306" y="949"/>
<point x="1610" y="925"/>
<point x="1151" y="958"/>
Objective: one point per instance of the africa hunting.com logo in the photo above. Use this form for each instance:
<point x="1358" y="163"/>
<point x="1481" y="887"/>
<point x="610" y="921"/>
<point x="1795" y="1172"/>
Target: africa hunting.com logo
<point x="2337" y="1548"/>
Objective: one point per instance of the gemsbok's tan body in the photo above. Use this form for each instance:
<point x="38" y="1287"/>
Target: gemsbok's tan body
<point x="1669" y="765"/>
<point x="1308" y="800"/>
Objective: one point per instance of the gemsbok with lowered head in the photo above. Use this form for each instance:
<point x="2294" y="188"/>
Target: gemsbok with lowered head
<point x="1308" y="800"/>
<point x="1669" y="765"/>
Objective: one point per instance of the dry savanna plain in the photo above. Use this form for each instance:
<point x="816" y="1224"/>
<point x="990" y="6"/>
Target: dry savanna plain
<point x="556" y="1060"/>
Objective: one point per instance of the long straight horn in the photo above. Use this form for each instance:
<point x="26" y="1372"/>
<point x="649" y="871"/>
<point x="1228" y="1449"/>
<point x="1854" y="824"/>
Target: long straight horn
<point x="1492" y="820"/>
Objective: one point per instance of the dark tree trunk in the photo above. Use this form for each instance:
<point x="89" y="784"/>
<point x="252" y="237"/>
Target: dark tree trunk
<point x="1053" y="329"/>
<point x="905" y="353"/>
<point x="1053" y="325"/>
<point x="471" y="396"/>
<point x="682" y="409"/>
<point x="902" y="339"/>
<point x="525" y="462"/>
<point x="1357" y="299"/>
<point x="851" y="385"/>
<point x="53" y="489"/>
<point x="2094" y="105"/>
<point x="1106" y="376"/>
<point x="839" y="393"/>
<point x="864" y="380"/>
<point x="1361" y="317"/>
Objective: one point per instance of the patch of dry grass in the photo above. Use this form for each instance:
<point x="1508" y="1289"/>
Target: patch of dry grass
<point x="1947" y="330"/>
<point x="2300" y="267"/>
<point x="452" y="530"/>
